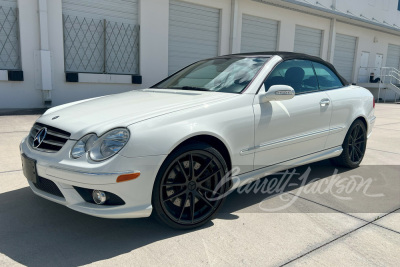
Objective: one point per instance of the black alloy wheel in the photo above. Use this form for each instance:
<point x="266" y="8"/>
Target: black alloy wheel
<point x="188" y="189"/>
<point x="354" y="146"/>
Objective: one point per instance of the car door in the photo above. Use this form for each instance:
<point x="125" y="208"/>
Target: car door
<point x="290" y="129"/>
<point x="343" y="101"/>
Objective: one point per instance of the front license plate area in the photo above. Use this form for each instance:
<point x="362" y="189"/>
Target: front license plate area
<point x="29" y="168"/>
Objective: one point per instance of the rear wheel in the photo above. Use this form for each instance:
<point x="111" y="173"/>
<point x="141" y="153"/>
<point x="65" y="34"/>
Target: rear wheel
<point x="354" y="146"/>
<point x="187" y="191"/>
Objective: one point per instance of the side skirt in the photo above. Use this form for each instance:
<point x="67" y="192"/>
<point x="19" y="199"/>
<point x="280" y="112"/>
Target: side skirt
<point x="249" y="177"/>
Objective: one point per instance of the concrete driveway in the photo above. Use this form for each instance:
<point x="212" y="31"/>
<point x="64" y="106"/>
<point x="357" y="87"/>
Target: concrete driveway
<point x="320" y="228"/>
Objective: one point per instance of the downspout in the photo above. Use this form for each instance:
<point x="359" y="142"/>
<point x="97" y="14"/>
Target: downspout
<point x="332" y="36"/>
<point x="333" y="4"/>
<point x="332" y="40"/>
<point x="234" y="47"/>
<point x="45" y="56"/>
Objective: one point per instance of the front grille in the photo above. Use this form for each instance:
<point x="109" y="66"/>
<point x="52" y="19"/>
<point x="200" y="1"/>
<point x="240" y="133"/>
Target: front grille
<point x="48" y="187"/>
<point x="54" y="138"/>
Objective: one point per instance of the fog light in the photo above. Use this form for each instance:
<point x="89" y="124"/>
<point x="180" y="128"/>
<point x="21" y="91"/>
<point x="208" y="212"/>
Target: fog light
<point x="99" y="197"/>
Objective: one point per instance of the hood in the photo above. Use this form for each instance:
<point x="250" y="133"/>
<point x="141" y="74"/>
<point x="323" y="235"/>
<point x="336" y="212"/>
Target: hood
<point x="101" y="114"/>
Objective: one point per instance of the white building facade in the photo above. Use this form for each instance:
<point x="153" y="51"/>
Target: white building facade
<point x="57" y="51"/>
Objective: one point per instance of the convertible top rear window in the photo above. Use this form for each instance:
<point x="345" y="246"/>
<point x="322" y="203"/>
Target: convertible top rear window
<point x="223" y="74"/>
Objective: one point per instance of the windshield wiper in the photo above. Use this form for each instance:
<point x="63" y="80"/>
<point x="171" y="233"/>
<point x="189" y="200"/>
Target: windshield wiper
<point x="190" y="88"/>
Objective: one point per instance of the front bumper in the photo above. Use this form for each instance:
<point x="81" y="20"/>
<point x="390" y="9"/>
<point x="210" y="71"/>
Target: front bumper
<point x="67" y="173"/>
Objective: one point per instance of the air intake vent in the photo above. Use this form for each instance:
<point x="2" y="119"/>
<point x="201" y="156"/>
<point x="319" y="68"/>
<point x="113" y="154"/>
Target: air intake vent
<point x="48" y="187"/>
<point x="49" y="139"/>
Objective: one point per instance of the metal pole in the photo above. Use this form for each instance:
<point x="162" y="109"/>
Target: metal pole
<point x="105" y="45"/>
<point x="384" y="96"/>
<point x="380" y="83"/>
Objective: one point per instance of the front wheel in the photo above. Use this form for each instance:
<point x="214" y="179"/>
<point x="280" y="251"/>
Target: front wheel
<point x="354" y="146"/>
<point x="187" y="191"/>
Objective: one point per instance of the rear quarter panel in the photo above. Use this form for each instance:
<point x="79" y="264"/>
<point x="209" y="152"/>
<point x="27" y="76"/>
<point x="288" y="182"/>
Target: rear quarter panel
<point x="348" y="104"/>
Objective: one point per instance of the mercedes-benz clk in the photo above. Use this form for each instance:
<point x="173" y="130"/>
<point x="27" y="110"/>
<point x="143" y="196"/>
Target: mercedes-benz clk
<point x="168" y="150"/>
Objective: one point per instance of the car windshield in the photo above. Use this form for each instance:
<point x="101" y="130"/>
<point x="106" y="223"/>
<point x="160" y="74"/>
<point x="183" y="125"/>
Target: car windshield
<point x="226" y="74"/>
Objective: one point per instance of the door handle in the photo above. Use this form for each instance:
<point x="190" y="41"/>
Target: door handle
<point x="325" y="102"/>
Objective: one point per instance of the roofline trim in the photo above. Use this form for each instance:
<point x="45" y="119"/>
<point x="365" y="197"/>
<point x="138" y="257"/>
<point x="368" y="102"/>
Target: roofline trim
<point x="340" y="16"/>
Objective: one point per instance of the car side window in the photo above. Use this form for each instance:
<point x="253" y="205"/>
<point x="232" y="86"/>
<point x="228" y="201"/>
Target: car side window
<point x="327" y="79"/>
<point x="298" y="74"/>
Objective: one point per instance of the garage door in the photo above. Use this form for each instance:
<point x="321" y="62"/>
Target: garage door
<point x="116" y="10"/>
<point x="308" y="41"/>
<point x="8" y="3"/>
<point x="101" y="36"/>
<point x="258" y="34"/>
<point x="393" y="58"/>
<point x="9" y="37"/>
<point x="193" y="34"/>
<point x="345" y="51"/>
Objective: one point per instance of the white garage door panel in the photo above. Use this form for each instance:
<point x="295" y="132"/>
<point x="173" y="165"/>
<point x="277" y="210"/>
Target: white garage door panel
<point x="345" y="50"/>
<point x="193" y="34"/>
<point x="8" y="3"/>
<point x="308" y="41"/>
<point x="393" y="57"/>
<point x="258" y="34"/>
<point x="116" y="10"/>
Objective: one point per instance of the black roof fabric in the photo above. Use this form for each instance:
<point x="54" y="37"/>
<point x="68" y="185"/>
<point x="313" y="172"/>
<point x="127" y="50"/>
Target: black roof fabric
<point x="291" y="55"/>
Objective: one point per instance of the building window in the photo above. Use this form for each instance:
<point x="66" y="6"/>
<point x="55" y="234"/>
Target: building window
<point x="9" y="36"/>
<point x="398" y="6"/>
<point x="101" y="36"/>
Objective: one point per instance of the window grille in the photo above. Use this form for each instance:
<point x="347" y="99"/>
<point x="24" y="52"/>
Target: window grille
<point x="100" y="46"/>
<point x="9" y="39"/>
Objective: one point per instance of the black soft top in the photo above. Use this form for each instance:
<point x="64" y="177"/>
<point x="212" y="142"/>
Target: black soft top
<point x="291" y="55"/>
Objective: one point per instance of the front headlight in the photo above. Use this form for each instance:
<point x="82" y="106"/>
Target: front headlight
<point x="101" y="148"/>
<point x="109" y="144"/>
<point x="83" y="145"/>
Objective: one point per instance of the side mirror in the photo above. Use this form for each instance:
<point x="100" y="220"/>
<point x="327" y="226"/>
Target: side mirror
<point x="277" y="93"/>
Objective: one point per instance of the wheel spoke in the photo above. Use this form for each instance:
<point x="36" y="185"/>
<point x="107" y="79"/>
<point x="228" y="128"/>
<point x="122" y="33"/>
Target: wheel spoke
<point x="205" y="168"/>
<point x="208" y="177"/>
<point x="360" y="133"/>
<point x="359" y="137"/>
<point x="351" y="153"/>
<point x="175" y="184"/>
<point x="356" y="131"/>
<point x="205" y="200"/>
<point x="355" y="155"/>
<point x="183" y="207"/>
<point x="191" y="167"/>
<point x="192" y="203"/>
<point x="175" y="195"/>
<point x="209" y="190"/>
<point x="359" y="152"/>
<point x="183" y="170"/>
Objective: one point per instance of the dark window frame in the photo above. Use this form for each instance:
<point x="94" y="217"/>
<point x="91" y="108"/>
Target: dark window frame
<point x="310" y="92"/>
<point x="337" y="77"/>
<point x="293" y="59"/>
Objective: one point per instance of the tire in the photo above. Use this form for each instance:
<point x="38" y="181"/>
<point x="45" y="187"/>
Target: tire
<point x="184" y="193"/>
<point x="354" y="146"/>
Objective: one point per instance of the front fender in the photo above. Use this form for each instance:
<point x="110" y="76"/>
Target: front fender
<point x="231" y="122"/>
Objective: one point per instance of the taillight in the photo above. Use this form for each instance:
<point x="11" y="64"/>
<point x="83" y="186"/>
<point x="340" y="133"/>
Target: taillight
<point x="373" y="102"/>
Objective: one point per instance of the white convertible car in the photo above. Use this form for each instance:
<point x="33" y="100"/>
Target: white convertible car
<point x="166" y="150"/>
